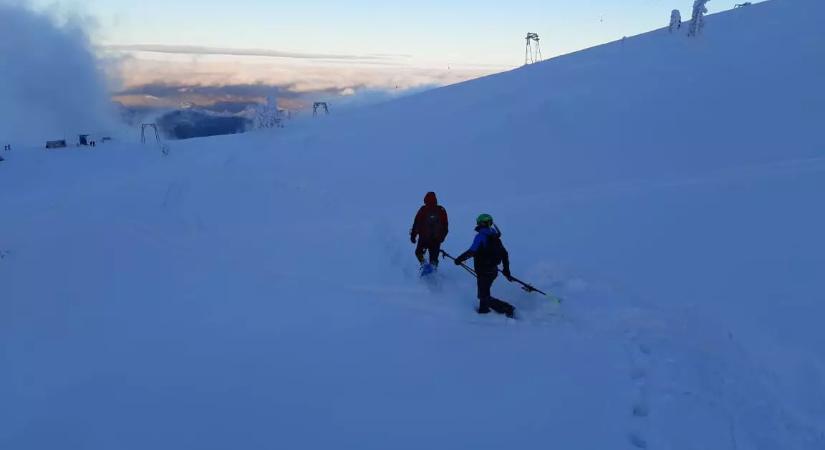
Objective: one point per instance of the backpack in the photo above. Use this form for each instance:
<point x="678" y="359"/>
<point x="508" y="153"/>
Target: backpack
<point x="432" y="228"/>
<point x="492" y="252"/>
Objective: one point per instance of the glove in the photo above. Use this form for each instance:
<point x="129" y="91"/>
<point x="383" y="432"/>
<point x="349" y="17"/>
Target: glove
<point x="506" y="273"/>
<point x="412" y="238"/>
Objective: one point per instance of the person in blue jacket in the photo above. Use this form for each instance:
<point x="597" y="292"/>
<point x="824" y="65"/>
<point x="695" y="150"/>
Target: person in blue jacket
<point x="488" y="252"/>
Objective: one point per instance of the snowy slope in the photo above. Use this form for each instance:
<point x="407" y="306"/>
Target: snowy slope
<point x="259" y="291"/>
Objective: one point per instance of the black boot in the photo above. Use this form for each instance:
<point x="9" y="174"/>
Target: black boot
<point x="502" y="307"/>
<point x="483" y="306"/>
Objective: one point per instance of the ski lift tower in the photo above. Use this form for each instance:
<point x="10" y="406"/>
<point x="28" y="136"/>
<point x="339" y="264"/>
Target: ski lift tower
<point x="532" y="51"/>
<point x="319" y="105"/>
<point x="151" y="127"/>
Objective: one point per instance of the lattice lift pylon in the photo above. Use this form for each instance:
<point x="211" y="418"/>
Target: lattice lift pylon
<point x="149" y="126"/>
<point x="153" y="127"/>
<point x="319" y="105"/>
<point x="532" y="49"/>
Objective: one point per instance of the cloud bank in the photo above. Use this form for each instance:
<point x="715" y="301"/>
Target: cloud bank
<point x="225" y="51"/>
<point x="174" y="79"/>
<point x="50" y="83"/>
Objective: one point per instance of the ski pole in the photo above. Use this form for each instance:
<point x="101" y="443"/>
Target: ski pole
<point x="464" y="266"/>
<point x="527" y="287"/>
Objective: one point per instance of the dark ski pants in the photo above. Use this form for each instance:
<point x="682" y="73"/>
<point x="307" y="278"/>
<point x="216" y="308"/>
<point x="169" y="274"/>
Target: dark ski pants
<point x="433" y="248"/>
<point x="486" y="302"/>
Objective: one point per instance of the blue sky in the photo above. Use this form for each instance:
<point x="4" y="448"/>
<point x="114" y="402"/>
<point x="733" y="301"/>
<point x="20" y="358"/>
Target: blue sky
<point x="457" y="31"/>
<point x="425" y="43"/>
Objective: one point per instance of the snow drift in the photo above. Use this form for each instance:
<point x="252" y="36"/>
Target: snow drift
<point x="259" y="291"/>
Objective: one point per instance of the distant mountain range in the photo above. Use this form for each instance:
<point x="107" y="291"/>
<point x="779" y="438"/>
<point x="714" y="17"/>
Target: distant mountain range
<point x="192" y="122"/>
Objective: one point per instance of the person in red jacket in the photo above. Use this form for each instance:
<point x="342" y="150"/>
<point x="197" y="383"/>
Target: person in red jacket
<point x="430" y="227"/>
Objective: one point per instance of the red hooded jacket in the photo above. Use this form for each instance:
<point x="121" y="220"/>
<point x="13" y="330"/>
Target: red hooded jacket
<point x="431" y="223"/>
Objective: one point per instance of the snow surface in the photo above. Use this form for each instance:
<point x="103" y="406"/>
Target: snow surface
<point x="259" y="291"/>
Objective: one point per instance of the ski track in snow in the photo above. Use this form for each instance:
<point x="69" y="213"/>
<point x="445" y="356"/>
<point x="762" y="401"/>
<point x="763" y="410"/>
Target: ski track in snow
<point x="673" y="366"/>
<point x="661" y="350"/>
<point x="660" y="353"/>
<point x="678" y="369"/>
<point x="675" y="371"/>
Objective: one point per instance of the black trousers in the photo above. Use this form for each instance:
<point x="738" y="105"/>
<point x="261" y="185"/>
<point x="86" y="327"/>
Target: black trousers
<point x="486" y="302"/>
<point x="433" y="248"/>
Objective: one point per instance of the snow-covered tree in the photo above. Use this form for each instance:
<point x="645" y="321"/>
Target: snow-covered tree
<point x="675" y="20"/>
<point x="267" y="115"/>
<point x="697" y="21"/>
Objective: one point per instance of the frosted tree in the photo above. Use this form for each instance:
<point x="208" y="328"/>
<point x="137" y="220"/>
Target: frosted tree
<point x="267" y="115"/>
<point x="697" y="21"/>
<point x="675" y="20"/>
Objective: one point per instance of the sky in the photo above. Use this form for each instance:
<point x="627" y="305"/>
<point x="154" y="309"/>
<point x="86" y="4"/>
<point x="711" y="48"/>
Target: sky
<point x="458" y="31"/>
<point x="349" y="46"/>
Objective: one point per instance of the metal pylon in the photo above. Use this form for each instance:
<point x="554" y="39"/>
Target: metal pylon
<point x="532" y="49"/>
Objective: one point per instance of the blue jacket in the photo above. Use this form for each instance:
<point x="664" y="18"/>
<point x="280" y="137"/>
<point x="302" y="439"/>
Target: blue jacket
<point x="483" y="260"/>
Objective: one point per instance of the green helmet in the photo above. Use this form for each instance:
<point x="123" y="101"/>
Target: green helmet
<point x="484" y="219"/>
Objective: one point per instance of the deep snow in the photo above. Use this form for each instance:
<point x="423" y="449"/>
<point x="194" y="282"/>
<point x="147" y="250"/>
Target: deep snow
<point x="259" y="291"/>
